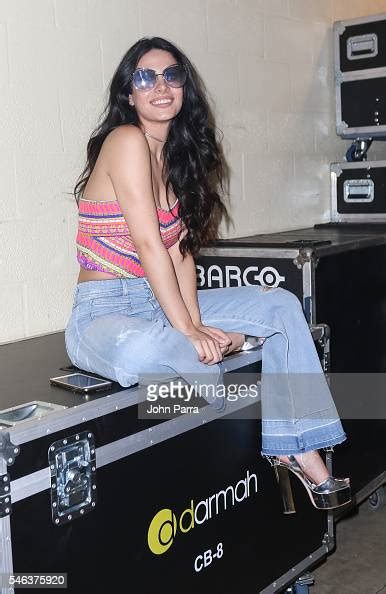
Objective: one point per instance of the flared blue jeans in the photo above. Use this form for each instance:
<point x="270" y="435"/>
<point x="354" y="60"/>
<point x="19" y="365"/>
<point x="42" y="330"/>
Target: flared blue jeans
<point x="118" y="329"/>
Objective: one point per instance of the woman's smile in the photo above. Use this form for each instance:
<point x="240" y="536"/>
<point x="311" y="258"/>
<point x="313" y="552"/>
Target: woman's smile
<point x="162" y="101"/>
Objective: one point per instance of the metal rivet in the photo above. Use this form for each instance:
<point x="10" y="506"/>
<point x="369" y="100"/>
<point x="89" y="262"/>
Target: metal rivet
<point x="52" y="466"/>
<point x="94" y="487"/>
<point x="376" y="113"/>
<point x="77" y="437"/>
<point x="52" y="448"/>
<point x="93" y="451"/>
<point x="93" y="504"/>
<point x="93" y="468"/>
<point x="7" y="510"/>
<point x="6" y="499"/>
<point x="64" y="441"/>
<point x="69" y="517"/>
<point x="16" y="450"/>
<point x="5" y="479"/>
<point x="376" y="120"/>
<point x="57" y="521"/>
<point x="10" y="460"/>
<point x="81" y="512"/>
<point x="89" y="435"/>
<point x="6" y="488"/>
<point x="53" y="485"/>
<point x="54" y="504"/>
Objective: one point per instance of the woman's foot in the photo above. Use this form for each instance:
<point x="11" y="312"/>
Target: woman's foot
<point x="312" y="465"/>
<point x="325" y="491"/>
<point x="241" y="342"/>
<point x="237" y="339"/>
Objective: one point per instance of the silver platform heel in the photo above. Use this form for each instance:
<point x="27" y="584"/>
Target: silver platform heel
<point x="283" y="479"/>
<point x="329" y="494"/>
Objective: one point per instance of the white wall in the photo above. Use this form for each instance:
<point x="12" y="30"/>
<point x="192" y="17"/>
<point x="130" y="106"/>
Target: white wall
<point x="267" y="65"/>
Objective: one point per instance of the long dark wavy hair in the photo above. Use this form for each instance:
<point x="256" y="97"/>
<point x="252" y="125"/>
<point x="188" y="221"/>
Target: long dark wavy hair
<point x="194" y="166"/>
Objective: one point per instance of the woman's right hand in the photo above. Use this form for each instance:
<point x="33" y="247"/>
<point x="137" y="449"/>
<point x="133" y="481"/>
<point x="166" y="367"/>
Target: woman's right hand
<point x="208" y="348"/>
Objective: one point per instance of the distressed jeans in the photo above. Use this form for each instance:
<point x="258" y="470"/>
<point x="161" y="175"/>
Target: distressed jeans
<point x="118" y="329"/>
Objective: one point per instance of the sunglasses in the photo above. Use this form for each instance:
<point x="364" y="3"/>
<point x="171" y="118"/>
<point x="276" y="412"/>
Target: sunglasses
<point x="145" y="79"/>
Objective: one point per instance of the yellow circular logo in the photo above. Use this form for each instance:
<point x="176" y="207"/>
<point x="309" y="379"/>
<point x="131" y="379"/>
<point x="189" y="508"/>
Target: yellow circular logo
<point x="162" y="531"/>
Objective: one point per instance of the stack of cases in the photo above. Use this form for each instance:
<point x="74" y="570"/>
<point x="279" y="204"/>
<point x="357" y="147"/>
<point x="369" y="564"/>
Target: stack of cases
<point x="358" y="188"/>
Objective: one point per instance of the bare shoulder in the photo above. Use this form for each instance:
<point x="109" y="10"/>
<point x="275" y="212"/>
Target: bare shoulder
<point x="123" y="140"/>
<point x="125" y="135"/>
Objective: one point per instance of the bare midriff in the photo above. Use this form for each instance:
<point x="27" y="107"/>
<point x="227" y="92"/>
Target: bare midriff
<point x="91" y="275"/>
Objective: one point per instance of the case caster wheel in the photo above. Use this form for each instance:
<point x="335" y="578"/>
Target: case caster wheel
<point x="377" y="499"/>
<point x="301" y="585"/>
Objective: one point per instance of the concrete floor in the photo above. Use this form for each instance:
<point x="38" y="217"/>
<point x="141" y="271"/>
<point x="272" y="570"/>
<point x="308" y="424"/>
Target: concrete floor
<point x="358" y="565"/>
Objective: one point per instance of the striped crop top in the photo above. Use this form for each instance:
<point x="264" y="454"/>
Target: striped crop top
<point x="103" y="241"/>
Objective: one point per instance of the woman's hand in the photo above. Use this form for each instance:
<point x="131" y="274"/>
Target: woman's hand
<point x="208" y="348"/>
<point x="228" y="341"/>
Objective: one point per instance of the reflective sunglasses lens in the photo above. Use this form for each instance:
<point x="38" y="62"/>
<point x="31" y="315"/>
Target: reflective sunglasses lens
<point x="175" y="76"/>
<point x="144" y="79"/>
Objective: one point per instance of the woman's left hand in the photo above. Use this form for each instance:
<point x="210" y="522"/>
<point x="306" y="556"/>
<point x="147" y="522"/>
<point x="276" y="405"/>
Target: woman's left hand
<point x="219" y="335"/>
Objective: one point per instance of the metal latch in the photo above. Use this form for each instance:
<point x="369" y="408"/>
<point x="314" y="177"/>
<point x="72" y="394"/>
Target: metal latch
<point x="362" y="46"/>
<point x="73" y="476"/>
<point x="358" y="190"/>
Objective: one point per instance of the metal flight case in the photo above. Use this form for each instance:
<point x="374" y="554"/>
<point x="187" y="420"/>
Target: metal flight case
<point x="358" y="191"/>
<point x="360" y="77"/>
<point x="120" y="503"/>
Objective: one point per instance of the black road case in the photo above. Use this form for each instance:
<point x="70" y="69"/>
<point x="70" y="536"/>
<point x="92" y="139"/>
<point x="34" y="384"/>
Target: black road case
<point x="360" y="76"/>
<point x="358" y="191"/>
<point x="338" y="273"/>
<point x="121" y="504"/>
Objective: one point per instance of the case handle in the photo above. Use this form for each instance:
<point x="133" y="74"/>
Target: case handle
<point x="358" y="190"/>
<point x="362" y="46"/>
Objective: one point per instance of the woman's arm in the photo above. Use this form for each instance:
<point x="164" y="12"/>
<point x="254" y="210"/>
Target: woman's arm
<point x="127" y="156"/>
<point x="185" y="270"/>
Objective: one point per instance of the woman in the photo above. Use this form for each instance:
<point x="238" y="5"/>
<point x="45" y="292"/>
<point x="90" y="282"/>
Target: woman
<point x="147" y="202"/>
